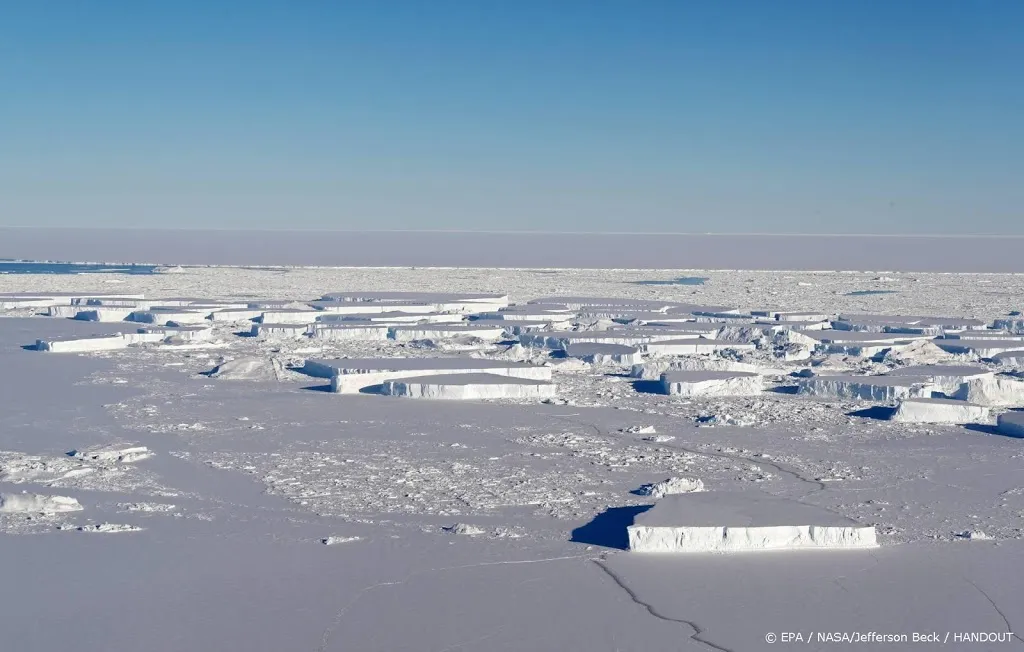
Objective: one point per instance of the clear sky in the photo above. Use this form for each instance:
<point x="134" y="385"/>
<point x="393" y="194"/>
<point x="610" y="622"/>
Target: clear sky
<point x="813" y="116"/>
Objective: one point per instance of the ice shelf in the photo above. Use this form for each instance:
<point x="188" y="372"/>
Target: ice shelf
<point x="938" y="410"/>
<point x="473" y="386"/>
<point x="742" y="521"/>
<point x="711" y="383"/>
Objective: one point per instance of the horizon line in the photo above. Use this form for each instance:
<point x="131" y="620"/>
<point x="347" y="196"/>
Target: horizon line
<point x="520" y="232"/>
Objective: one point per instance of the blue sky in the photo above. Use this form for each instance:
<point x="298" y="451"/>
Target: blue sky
<point x="862" y="116"/>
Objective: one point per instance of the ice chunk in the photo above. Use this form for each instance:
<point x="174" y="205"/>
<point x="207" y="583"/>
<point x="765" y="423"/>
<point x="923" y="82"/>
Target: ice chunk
<point x="937" y="410"/>
<point x="711" y="383"/>
<point x="868" y="388"/>
<point x="83" y="344"/>
<point x="991" y="390"/>
<point x="248" y="368"/>
<point x="124" y="454"/>
<point x="1011" y="423"/>
<point x="464" y="529"/>
<point x="671" y="486"/>
<point x="26" y="503"/>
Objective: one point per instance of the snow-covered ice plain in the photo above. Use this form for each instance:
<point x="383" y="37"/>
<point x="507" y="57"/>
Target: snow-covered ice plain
<point x="236" y="502"/>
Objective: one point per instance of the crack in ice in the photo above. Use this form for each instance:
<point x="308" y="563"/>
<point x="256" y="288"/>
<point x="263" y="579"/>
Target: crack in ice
<point x="698" y="631"/>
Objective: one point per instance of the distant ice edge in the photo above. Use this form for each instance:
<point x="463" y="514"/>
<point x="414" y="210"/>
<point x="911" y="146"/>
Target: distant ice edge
<point x="646" y="538"/>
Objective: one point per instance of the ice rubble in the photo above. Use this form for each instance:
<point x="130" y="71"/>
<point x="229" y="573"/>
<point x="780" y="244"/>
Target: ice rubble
<point x="473" y="386"/>
<point x="868" y="388"/>
<point x="350" y="375"/>
<point x="26" y="503"/>
<point x="735" y="522"/>
<point x="711" y="383"/>
<point x="600" y="354"/>
<point x="938" y="410"/>
<point x="121" y="454"/>
<point x="671" y="487"/>
<point x="1011" y="423"/>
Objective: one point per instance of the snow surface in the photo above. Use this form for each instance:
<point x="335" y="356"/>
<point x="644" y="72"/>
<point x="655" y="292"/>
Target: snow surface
<point x="215" y="539"/>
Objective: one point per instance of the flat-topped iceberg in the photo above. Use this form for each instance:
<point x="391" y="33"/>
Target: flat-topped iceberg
<point x="938" y="410"/>
<point x="868" y="388"/>
<point x="351" y="375"/>
<point x="475" y="386"/>
<point x="711" y="383"/>
<point x="740" y="522"/>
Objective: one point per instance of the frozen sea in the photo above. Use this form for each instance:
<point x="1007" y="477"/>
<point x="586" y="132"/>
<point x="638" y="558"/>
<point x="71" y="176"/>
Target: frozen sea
<point x="216" y="541"/>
